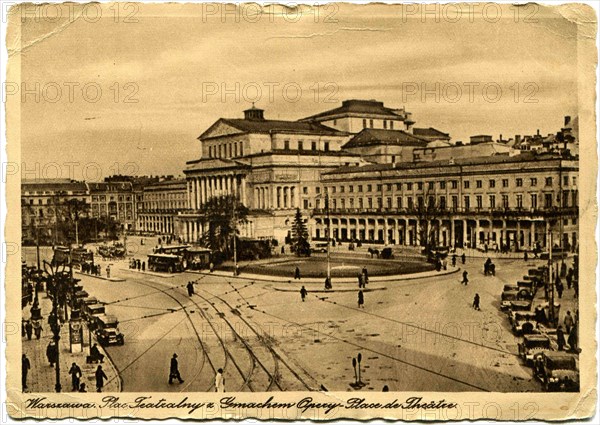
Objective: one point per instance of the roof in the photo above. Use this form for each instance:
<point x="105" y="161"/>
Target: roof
<point x="372" y="136"/>
<point x="212" y="164"/>
<point x="274" y="126"/>
<point x="111" y="187"/>
<point x="430" y="132"/>
<point x="53" y="185"/>
<point x="357" y="106"/>
<point x="170" y="184"/>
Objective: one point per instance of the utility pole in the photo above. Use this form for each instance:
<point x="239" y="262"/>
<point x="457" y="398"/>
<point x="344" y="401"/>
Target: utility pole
<point x="328" y="237"/>
<point x="235" y="265"/>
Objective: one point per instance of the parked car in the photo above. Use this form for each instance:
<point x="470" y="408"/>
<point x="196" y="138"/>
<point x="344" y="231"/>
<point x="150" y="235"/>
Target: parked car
<point x="320" y="247"/>
<point x="527" y="289"/>
<point x="507" y="299"/>
<point x="520" y="305"/>
<point x="558" y="371"/>
<point x="533" y="346"/>
<point x="107" y="331"/>
<point x="523" y="322"/>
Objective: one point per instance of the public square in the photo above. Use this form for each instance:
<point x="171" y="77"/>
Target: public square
<point x="412" y="334"/>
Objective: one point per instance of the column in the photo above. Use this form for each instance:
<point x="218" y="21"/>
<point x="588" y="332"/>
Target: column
<point x="452" y="231"/>
<point x="490" y="231"/>
<point x="406" y="224"/>
<point x="518" y="238"/>
<point x="202" y="190"/>
<point x="244" y="190"/>
<point x="376" y="235"/>
<point x="503" y="235"/>
<point x="396" y="232"/>
<point x="285" y="197"/>
<point x="267" y="198"/>
<point x="273" y="197"/>
<point x="417" y="232"/>
<point x="465" y="222"/>
<point x="532" y="234"/>
<point x="547" y="236"/>
<point x="188" y="185"/>
<point x="278" y="198"/>
<point x="197" y="191"/>
<point x="235" y="187"/>
<point x="293" y="196"/>
<point x="477" y="231"/>
<point x="228" y="185"/>
<point x="386" y="239"/>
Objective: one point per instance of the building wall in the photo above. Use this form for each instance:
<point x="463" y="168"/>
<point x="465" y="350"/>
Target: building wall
<point x="357" y="124"/>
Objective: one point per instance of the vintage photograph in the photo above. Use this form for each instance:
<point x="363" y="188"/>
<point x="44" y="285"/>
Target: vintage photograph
<point x="351" y="199"/>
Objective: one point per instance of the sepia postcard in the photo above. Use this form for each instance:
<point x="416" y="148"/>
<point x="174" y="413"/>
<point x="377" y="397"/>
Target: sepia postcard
<point x="300" y="212"/>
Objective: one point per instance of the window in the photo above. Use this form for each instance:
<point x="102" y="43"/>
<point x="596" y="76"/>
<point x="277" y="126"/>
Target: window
<point x="467" y="202"/>
<point x="504" y="182"/>
<point x="371" y="123"/>
<point x="360" y="188"/>
<point x="467" y="184"/>
<point x="479" y="184"/>
<point x="519" y="182"/>
<point x="350" y="188"/>
<point x="393" y="159"/>
<point x="505" y="201"/>
<point x="566" y="180"/>
<point x="334" y="122"/>
<point x="431" y="202"/>
<point x="385" y="124"/>
<point x="398" y="186"/>
<point x="479" y="200"/>
<point x="334" y="204"/>
<point x="333" y="189"/>
<point x="343" y="203"/>
<point x="533" y="201"/>
<point x="318" y="189"/>
<point x="300" y="145"/>
<point x="391" y="125"/>
<point x="455" y="202"/>
<point x="492" y="183"/>
<point x="454" y="184"/>
<point x="574" y="181"/>
<point x="305" y="190"/>
<point x="443" y="202"/>
<point x="370" y="202"/>
<point x="379" y="187"/>
<point x="342" y="189"/>
<point x="286" y="145"/>
<point x="409" y="202"/>
<point x="379" y="203"/>
<point x="235" y="149"/>
<point x="420" y="202"/>
<point x="442" y="185"/>
<point x="306" y="204"/>
<point x="351" y="202"/>
<point x="399" y="201"/>
<point x="565" y="198"/>
<point x="369" y="188"/>
<point x="364" y="123"/>
<point x="230" y="150"/>
<point x="548" y="200"/>
<point x="431" y="185"/>
<point x="210" y="151"/>
<point x="313" y="146"/>
<point x="534" y="181"/>
<point x="420" y="185"/>
<point x="492" y="202"/>
<point x="389" y="187"/>
<point x="409" y="186"/>
<point x="548" y="181"/>
<point x="241" y="149"/>
<point x="360" y="203"/>
<point x="519" y="201"/>
<point x="326" y="146"/>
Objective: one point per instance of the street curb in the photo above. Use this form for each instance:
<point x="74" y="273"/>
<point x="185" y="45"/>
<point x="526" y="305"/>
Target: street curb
<point x="165" y="275"/>
<point x="329" y="291"/>
<point x="110" y="279"/>
<point x="346" y="280"/>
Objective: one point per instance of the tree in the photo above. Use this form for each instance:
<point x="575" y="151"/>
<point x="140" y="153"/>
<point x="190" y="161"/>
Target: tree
<point x="218" y="217"/>
<point x="68" y="215"/>
<point x="300" y="244"/>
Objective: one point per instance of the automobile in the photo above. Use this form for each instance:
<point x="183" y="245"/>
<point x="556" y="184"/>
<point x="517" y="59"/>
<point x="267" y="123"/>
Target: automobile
<point x="510" y="288"/>
<point x="526" y="289"/>
<point x="387" y="253"/>
<point x="520" y="305"/>
<point x="558" y="371"/>
<point x="81" y="256"/>
<point x="507" y="298"/>
<point x="92" y="311"/>
<point x="107" y="331"/>
<point x="523" y="322"/>
<point x="196" y="258"/>
<point x="90" y="300"/>
<point x="320" y="247"/>
<point x="533" y="346"/>
<point x="169" y="263"/>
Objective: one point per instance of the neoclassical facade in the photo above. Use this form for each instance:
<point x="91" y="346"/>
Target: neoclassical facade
<point x="161" y="202"/>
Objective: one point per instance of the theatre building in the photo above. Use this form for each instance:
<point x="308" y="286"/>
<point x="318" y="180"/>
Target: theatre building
<point x="525" y="200"/>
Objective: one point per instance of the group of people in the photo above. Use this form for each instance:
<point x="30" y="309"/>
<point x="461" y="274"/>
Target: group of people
<point x="363" y="278"/>
<point x="137" y="264"/>
<point x="571" y="324"/>
<point x="463" y="258"/>
<point x="219" y="382"/>
<point x="28" y="329"/>
<point x="489" y="268"/>
<point x="91" y="268"/>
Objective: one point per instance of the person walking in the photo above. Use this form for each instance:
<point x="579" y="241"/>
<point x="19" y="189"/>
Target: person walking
<point x="174" y="370"/>
<point x="138" y="263"/>
<point x="303" y="293"/>
<point x="525" y="258"/>
<point x="297" y="273"/>
<point x="28" y="329"/>
<point x="572" y="339"/>
<point x="569" y="278"/>
<point x="76" y="374"/>
<point x="465" y="280"/>
<point x="568" y="321"/>
<point x="361" y="299"/>
<point x="100" y="377"/>
<point x="25" y="366"/>
<point x="327" y="283"/>
<point x="219" y="381"/>
<point x="190" y="288"/>
<point x="51" y="352"/>
<point x="108" y="272"/>
<point x="96" y="355"/>
<point x="143" y="266"/>
<point x="365" y="273"/>
<point x="38" y="331"/>
<point x="454" y="260"/>
<point x="463" y="257"/>
<point x="211" y="267"/>
<point x="476" y="302"/>
<point x="360" y="280"/>
<point x="560" y="338"/>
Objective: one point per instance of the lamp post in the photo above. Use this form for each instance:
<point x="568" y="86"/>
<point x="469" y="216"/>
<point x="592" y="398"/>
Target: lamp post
<point x="328" y="240"/>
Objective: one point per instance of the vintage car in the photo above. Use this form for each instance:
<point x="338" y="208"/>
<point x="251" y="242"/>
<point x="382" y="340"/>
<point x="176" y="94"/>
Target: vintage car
<point x="320" y="247"/>
<point x="533" y="346"/>
<point x="520" y="305"/>
<point x="91" y="312"/>
<point x="526" y="289"/>
<point x="558" y="371"/>
<point x="196" y="258"/>
<point x="107" y="331"/>
<point x="507" y="298"/>
<point x="90" y="300"/>
<point x="523" y="322"/>
<point x="165" y="263"/>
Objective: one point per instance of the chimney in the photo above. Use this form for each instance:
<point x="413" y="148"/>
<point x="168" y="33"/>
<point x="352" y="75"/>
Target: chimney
<point x="567" y="120"/>
<point x="254" y="114"/>
<point x="538" y="131"/>
<point x="517" y="139"/>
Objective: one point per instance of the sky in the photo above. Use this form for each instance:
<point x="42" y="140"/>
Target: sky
<point x="129" y="89"/>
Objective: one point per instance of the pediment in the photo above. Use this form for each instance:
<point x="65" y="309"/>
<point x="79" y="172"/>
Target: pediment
<point x="220" y="128"/>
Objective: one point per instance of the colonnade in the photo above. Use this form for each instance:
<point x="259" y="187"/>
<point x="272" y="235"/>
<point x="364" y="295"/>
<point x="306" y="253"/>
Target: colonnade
<point x="200" y="189"/>
<point x="276" y="197"/>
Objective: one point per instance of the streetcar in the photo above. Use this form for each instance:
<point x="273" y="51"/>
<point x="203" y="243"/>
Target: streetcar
<point x="82" y="258"/>
<point x="165" y="263"/>
<point x="196" y="258"/>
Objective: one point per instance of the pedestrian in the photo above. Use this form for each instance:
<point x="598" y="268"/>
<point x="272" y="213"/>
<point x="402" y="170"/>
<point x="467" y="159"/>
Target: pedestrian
<point x="211" y="267"/>
<point x="96" y="355"/>
<point x="361" y="299"/>
<point x="385" y="389"/>
<point x="138" y="264"/>
<point x="100" y="377"/>
<point x="560" y="338"/>
<point x="463" y="257"/>
<point x="236" y="271"/>
<point x="572" y="339"/>
<point x="108" y="271"/>
<point x="25" y="366"/>
<point x="465" y="280"/>
<point x="445" y="263"/>
<point x="438" y="265"/>
<point x="486" y="267"/>
<point x="327" y="283"/>
<point x="38" y="331"/>
<point x="82" y="388"/>
<point x="569" y="278"/>
<point x="174" y="370"/>
<point x="476" y="302"/>
<point x="297" y="273"/>
<point x="454" y="260"/>
<point x="303" y="293"/>
<point x="28" y="329"/>
<point x="143" y="266"/>
<point x="283" y="249"/>
<point x="559" y="288"/>
<point x="51" y="353"/>
<point x="568" y="321"/>
<point x="360" y="280"/>
<point x="190" y="288"/>
<point x="76" y="374"/>
<point x="219" y="381"/>
<point x="576" y="288"/>
<point x="365" y="273"/>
